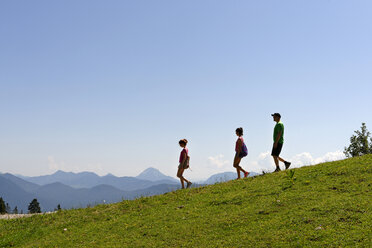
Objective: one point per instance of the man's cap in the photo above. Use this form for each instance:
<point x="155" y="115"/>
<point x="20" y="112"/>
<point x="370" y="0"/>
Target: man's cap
<point x="276" y="114"/>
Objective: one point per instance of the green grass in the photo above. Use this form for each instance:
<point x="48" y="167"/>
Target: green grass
<point x="327" y="205"/>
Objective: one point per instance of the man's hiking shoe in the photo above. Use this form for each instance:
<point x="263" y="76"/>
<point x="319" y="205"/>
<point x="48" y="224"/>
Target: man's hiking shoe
<point x="188" y="184"/>
<point x="287" y="164"/>
<point x="246" y="174"/>
<point x="277" y="169"/>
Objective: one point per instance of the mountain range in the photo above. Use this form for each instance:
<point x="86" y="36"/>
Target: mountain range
<point x="76" y="190"/>
<point x="146" y="179"/>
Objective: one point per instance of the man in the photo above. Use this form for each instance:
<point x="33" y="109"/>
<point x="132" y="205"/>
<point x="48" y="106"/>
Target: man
<point x="278" y="142"/>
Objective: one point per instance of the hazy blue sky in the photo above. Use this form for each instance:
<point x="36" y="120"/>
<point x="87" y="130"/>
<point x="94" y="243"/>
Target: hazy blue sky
<point x="111" y="86"/>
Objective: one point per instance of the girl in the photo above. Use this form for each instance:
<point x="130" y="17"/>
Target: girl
<point x="239" y="153"/>
<point x="184" y="163"/>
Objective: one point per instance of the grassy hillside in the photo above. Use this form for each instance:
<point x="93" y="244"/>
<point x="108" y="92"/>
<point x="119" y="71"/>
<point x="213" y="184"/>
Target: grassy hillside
<point x="327" y="205"/>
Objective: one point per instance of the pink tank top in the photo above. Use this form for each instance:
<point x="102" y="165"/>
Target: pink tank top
<point x="183" y="154"/>
<point x="237" y="142"/>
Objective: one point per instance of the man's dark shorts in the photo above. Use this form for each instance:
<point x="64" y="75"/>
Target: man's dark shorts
<point x="276" y="151"/>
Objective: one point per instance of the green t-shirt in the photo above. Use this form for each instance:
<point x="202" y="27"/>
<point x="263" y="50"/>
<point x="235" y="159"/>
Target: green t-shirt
<point x="279" y="127"/>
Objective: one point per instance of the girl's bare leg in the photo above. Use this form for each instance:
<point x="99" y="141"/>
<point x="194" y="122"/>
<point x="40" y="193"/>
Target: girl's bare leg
<point x="238" y="172"/>
<point x="182" y="183"/>
<point x="241" y="169"/>
<point x="184" y="179"/>
<point x="237" y="160"/>
<point x="179" y="175"/>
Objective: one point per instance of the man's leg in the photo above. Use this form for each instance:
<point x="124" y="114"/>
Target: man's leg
<point x="281" y="160"/>
<point x="275" y="153"/>
<point x="287" y="164"/>
<point x="276" y="160"/>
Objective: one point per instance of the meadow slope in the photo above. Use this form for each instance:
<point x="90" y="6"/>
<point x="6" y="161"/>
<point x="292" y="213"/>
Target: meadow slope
<point x="326" y="205"/>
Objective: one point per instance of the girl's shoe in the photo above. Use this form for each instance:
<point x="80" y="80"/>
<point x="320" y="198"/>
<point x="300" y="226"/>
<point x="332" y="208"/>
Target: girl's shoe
<point x="246" y="174"/>
<point x="188" y="185"/>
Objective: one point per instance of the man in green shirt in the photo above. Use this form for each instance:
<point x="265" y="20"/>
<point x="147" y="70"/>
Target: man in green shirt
<point x="278" y="142"/>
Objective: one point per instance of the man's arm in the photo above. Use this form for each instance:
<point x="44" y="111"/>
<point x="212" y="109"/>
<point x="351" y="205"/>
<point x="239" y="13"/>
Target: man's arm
<point x="277" y="139"/>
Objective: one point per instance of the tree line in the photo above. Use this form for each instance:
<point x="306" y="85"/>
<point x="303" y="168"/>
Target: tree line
<point x="33" y="207"/>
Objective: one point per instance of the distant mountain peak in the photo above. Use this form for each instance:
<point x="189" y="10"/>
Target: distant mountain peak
<point x="61" y="172"/>
<point x="153" y="174"/>
<point x="150" y="170"/>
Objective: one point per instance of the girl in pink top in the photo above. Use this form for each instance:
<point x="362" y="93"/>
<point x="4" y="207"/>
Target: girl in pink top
<point x="238" y="150"/>
<point x="184" y="163"/>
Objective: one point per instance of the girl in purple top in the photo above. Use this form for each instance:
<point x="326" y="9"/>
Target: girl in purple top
<point x="238" y="151"/>
<point x="184" y="163"/>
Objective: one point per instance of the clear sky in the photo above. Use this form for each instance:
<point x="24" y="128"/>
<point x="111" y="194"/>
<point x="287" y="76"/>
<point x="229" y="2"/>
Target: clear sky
<point x="111" y="86"/>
